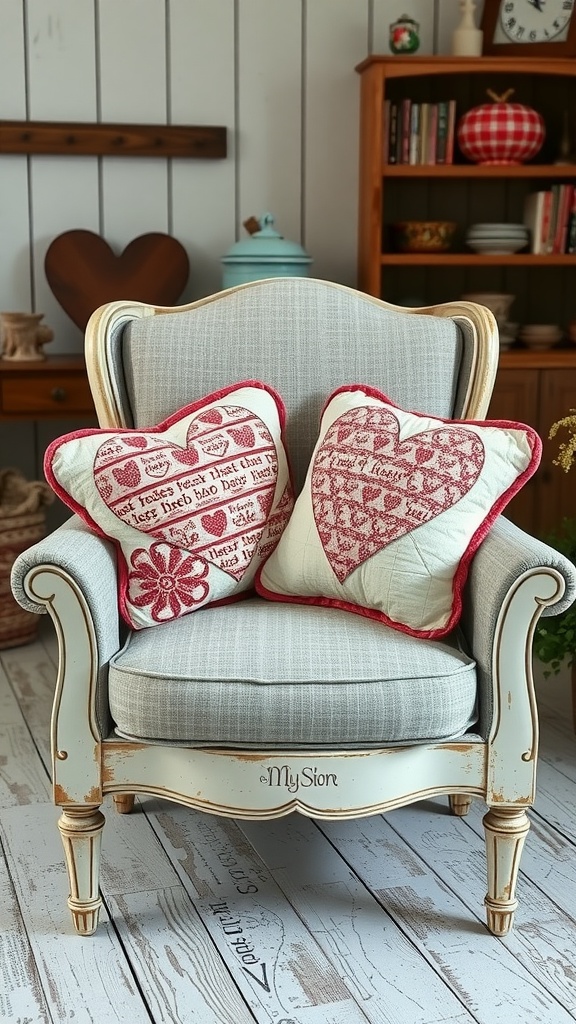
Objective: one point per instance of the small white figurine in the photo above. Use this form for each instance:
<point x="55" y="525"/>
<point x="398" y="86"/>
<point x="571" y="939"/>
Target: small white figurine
<point x="466" y="38"/>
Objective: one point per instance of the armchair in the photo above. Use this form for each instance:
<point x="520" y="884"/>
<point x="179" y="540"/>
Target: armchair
<point x="256" y="709"/>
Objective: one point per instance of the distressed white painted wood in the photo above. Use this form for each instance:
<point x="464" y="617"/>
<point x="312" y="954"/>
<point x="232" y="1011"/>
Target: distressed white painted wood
<point x="269" y="125"/>
<point x="427" y="909"/>
<point x="179" y="972"/>
<point x="370" y="952"/>
<point x="21" y="995"/>
<point x="543" y="935"/>
<point x="269" y="953"/>
<point x="23" y="779"/>
<point x="336" y="34"/>
<point x="63" y="190"/>
<point x="133" y="859"/>
<point x="88" y="978"/>
<point x="201" y="84"/>
<point x="32" y="676"/>
<point x="389" y="974"/>
<point x="132" y="89"/>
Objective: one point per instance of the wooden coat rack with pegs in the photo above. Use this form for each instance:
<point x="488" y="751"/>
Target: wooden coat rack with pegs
<point x="56" y="138"/>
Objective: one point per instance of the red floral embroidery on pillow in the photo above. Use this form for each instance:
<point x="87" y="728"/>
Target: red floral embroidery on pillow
<point x="167" y="579"/>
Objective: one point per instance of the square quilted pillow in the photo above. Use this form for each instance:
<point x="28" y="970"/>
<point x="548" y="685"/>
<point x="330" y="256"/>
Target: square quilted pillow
<point x="393" y="508"/>
<point x="194" y="505"/>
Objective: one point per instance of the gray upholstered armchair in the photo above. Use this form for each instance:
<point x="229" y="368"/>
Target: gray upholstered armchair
<point x="255" y="709"/>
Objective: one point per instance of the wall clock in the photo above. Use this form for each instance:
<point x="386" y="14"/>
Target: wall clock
<point x="523" y="28"/>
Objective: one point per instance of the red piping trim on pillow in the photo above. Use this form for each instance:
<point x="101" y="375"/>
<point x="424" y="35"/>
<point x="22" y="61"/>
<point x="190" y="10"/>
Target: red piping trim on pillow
<point x="461" y="573"/>
<point x="186" y="410"/>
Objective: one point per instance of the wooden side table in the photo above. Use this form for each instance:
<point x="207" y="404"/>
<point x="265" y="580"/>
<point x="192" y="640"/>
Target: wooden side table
<point x="51" y="388"/>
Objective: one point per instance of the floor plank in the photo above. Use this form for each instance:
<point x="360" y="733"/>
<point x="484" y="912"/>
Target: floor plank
<point x="273" y="959"/>
<point x="283" y="922"/>
<point x="370" y="951"/>
<point x="433" y="912"/>
<point x="89" y="978"/>
<point x="21" y="995"/>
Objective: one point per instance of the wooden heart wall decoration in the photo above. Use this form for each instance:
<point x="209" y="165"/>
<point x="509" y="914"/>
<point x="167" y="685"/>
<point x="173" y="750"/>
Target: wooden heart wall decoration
<point x="83" y="272"/>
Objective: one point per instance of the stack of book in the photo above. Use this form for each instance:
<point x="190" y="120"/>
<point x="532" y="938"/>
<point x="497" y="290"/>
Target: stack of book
<point x="550" y="216"/>
<point x="419" y="133"/>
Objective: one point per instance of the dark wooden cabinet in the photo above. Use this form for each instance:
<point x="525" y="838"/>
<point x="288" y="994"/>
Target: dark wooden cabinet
<point x="538" y="389"/>
<point x="51" y="388"/>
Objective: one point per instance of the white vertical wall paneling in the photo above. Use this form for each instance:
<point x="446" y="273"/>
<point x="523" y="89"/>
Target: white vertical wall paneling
<point x="336" y="40"/>
<point x="64" y="189"/>
<point x="387" y="11"/>
<point x="269" y="112"/>
<point x="132" y="81"/>
<point x="201" y="72"/>
<point x="14" y="223"/>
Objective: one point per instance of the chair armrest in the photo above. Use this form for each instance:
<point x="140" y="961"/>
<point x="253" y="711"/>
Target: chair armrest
<point x="91" y="562"/>
<point x="505" y="557"/>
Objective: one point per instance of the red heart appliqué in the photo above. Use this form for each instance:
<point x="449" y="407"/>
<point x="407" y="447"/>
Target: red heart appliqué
<point x="369" y="487"/>
<point x="211" y="498"/>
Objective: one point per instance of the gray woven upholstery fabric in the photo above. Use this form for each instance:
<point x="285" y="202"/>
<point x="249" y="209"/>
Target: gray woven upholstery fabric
<point x="303" y="337"/>
<point x="91" y="562"/>
<point x="258" y="673"/>
<point x="504" y="555"/>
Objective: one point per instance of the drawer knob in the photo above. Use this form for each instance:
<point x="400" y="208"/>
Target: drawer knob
<point x="58" y="394"/>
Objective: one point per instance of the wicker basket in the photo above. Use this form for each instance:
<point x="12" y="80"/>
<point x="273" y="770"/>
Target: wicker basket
<point x="22" y="523"/>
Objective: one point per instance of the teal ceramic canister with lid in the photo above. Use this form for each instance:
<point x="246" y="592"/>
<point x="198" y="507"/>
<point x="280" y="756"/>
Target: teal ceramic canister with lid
<point x="265" y="253"/>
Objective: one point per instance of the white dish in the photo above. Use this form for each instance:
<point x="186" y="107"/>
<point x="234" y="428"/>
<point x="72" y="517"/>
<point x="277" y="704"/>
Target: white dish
<point x="497" y="231"/>
<point x="505" y="226"/>
<point x="497" y="248"/>
<point x="496" y="238"/>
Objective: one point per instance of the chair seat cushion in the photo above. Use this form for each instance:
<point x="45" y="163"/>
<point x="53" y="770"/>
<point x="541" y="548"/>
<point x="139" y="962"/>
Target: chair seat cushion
<point x="270" y="675"/>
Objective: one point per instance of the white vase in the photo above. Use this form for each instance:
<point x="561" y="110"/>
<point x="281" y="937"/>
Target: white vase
<point x="466" y="38"/>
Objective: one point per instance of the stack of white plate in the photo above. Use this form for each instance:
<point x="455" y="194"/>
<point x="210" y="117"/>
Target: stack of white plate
<point x="497" y="239"/>
<point x="540" y="336"/>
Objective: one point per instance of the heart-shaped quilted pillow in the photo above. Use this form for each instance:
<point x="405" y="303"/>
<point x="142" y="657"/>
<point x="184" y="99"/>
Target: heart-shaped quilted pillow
<point x="394" y="506"/>
<point x="84" y="272"/>
<point x="194" y="504"/>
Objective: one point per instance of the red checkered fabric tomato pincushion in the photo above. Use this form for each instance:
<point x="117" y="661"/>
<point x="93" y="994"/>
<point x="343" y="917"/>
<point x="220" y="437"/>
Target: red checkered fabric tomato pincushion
<point x="500" y="133"/>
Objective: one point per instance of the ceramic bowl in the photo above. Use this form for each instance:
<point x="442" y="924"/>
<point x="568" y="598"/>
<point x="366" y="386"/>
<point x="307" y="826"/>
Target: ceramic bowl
<point x="424" y="235"/>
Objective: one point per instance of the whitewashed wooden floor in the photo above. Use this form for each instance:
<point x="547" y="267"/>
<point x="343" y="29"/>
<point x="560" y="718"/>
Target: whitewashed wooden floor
<point x="286" y="922"/>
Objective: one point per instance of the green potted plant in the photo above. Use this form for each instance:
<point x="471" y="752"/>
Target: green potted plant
<point x="555" y="637"/>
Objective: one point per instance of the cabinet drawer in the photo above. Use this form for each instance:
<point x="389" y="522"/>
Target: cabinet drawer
<point x="64" y="395"/>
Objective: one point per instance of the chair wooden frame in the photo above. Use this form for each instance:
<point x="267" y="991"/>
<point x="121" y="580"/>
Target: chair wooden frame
<point x="336" y="784"/>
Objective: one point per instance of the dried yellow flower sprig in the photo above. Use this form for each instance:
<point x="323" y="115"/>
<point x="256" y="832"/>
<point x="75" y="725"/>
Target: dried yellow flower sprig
<point x="566" y="451"/>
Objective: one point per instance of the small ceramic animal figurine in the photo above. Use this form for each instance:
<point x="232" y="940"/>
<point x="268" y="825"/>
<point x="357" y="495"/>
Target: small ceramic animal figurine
<point x="23" y="336"/>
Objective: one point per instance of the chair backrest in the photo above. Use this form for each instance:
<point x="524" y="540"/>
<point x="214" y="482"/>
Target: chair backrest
<point x="304" y="337"/>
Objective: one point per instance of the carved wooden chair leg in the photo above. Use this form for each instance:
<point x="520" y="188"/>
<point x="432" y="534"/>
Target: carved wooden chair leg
<point x="506" y="830"/>
<point x="81" y="831"/>
<point x="124" y="802"/>
<point x="459" y="803"/>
